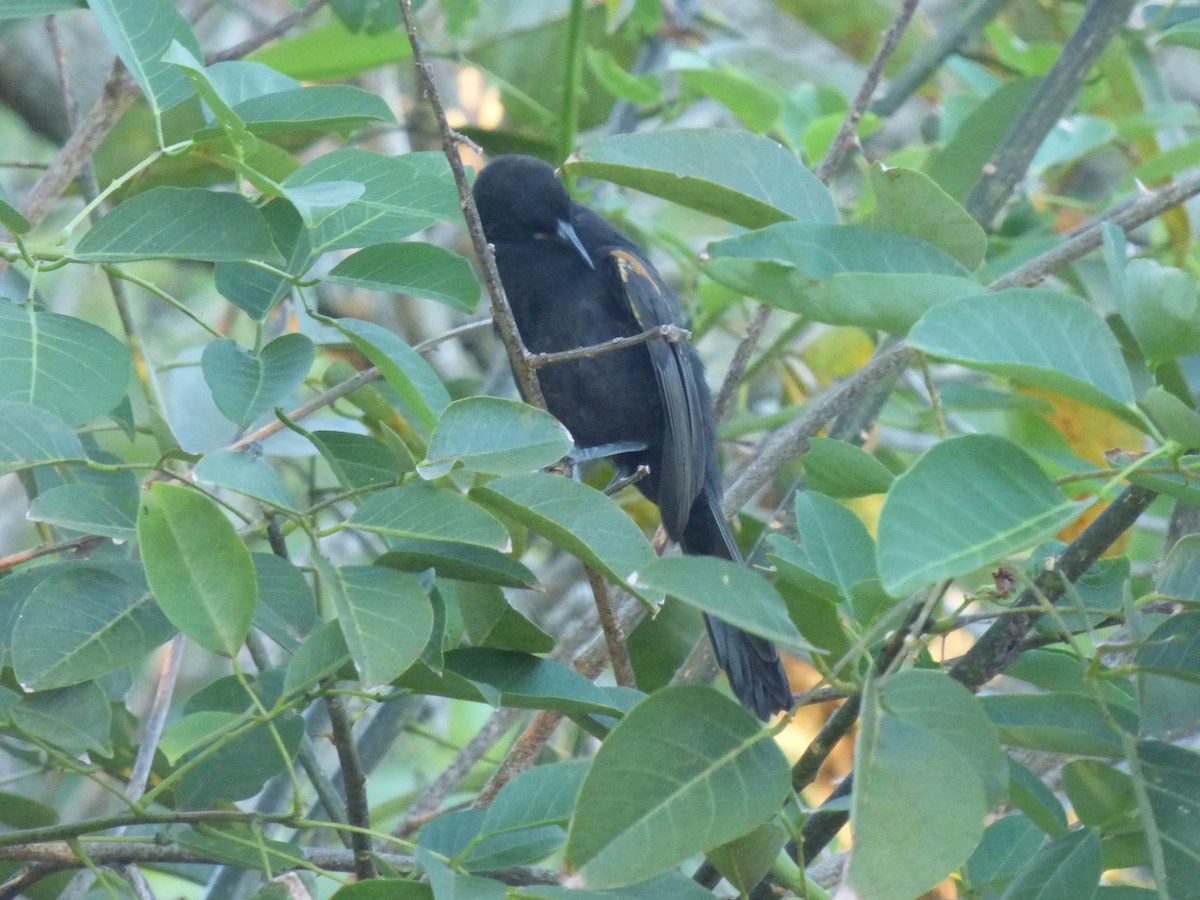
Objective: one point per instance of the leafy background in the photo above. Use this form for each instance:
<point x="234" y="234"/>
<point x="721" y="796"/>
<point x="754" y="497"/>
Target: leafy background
<point x="288" y="604"/>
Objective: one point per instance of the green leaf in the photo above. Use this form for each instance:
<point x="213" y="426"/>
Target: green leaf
<point x="422" y="394"/>
<point x="322" y="654"/>
<point x="1028" y="793"/>
<point x="489" y="620"/>
<point x="620" y="83"/>
<point x="317" y="202"/>
<point x="543" y="795"/>
<point x="799" y="266"/>
<point x="911" y="202"/>
<point x="495" y="436"/>
<point x="733" y="593"/>
<point x="1160" y="306"/>
<point x="384" y="889"/>
<point x="530" y="682"/>
<point x="81" y="623"/>
<point x="22" y="812"/>
<point x="10" y="216"/>
<point x="449" y="885"/>
<point x="196" y="731"/>
<point x="1179" y="575"/>
<point x="424" y="510"/>
<point x="323" y="107"/>
<point x="1058" y="723"/>
<point x="456" y="835"/>
<point x="332" y="52"/>
<point x="746" y="861"/>
<point x="957" y="165"/>
<point x="105" y="509"/>
<point x="1173" y="786"/>
<point x="238" y="80"/>
<point x="76" y="719"/>
<point x="754" y="100"/>
<point x="401" y="196"/>
<point x="239" y="844"/>
<point x="965" y="503"/>
<point x="931" y="699"/>
<point x="835" y="541"/>
<point x="286" y="610"/>
<point x="685" y="771"/>
<point x="1177" y="421"/>
<point x="254" y="290"/>
<point x="1169" y="684"/>
<point x="240" y="768"/>
<point x="33" y="437"/>
<point x="1068" y="867"/>
<point x="1101" y="795"/>
<point x="840" y="469"/>
<point x="385" y="616"/>
<point x="743" y="178"/>
<point x="669" y="886"/>
<point x="61" y="364"/>
<point x="26" y="9"/>
<point x="575" y="518"/>
<point x="451" y="559"/>
<point x="419" y="269"/>
<point x="246" y="385"/>
<point x="1007" y="844"/>
<point x="180" y="223"/>
<point x="247" y="473"/>
<point x="198" y="568"/>
<point x="357" y="460"/>
<point x="1037" y="336"/>
<point x="509" y="678"/>
<point x="141" y="31"/>
<point x="908" y="768"/>
<point x="230" y="123"/>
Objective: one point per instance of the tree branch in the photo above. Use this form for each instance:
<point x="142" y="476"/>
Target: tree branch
<point x="1100" y="23"/>
<point x="672" y="334"/>
<point x="525" y="374"/>
<point x="930" y="56"/>
<point x="847" y="133"/>
<point x="1001" y="643"/>
<point x="354" y="779"/>
<point x="49" y="856"/>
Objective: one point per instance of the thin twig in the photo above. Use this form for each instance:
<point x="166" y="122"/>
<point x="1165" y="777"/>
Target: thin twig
<point x="280" y="28"/>
<point x="740" y="361"/>
<point x="358" y="813"/>
<point x="672" y="334"/>
<point x="440" y="788"/>
<point x="54" y="855"/>
<point x="1127" y="216"/>
<point x="930" y="55"/>
<point x="349" y="386"/>
<point x="536" y="735"/>
<point x="525" y="375"/>
<point x="847" y="133"/>
<point x="614" y="638"/>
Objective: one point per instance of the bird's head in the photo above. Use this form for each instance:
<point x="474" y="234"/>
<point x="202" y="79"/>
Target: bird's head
<point x="520" y="198"/>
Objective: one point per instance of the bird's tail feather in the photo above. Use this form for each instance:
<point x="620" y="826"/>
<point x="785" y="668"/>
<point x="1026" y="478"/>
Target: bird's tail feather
<point x="752" y="664"/>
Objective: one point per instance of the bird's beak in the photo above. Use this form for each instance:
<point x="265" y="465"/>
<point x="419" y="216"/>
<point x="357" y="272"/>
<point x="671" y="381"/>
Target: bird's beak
<point x="566" y="231"/>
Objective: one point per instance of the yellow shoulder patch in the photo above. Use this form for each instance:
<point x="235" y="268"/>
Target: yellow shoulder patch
<point x="627" y="262"/>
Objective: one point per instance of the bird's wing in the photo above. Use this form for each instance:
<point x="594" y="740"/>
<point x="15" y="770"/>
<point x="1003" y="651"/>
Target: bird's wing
<point x="685" y="438"/>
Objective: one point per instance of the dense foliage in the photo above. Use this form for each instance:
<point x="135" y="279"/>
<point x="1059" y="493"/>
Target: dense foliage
<point x="284" y="534"/>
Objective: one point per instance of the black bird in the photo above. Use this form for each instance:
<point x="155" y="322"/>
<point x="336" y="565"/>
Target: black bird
<point x="573" y="281"/>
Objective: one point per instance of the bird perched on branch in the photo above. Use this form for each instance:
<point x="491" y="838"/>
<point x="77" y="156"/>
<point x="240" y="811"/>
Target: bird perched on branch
<point x="575" y="281"/>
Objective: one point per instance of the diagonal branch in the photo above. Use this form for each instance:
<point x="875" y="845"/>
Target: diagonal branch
<point x="518" y="355"/>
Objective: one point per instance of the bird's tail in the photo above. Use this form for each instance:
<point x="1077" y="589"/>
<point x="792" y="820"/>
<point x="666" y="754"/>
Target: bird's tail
<point x="752" y="663"/>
